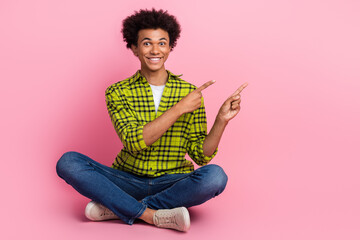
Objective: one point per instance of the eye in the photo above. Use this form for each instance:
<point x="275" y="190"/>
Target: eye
<point x="162" y="44"/>
<point x="146" y="44"/>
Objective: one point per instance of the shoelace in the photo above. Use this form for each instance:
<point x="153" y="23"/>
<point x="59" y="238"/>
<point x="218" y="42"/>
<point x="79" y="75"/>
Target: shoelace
<point x="167" y="220"/>
<point x="107" y="212"/>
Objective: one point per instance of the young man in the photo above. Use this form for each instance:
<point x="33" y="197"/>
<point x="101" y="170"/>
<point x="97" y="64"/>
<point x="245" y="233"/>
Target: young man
<point x="159" y="118"/>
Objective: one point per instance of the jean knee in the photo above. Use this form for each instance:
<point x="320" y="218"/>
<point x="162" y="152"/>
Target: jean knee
<point x="66" y="163"/>
<point x="216" y="178"/>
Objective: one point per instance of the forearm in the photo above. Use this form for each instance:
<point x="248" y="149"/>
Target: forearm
<point x="155" y="129"/>
<point x="212" y="140"/>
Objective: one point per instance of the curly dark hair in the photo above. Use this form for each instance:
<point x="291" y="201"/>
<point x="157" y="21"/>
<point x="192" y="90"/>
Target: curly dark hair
<point x="150" y="19"/>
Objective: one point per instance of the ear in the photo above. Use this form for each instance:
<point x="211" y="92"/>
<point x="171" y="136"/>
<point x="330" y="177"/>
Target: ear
<point x="134" y="49"/>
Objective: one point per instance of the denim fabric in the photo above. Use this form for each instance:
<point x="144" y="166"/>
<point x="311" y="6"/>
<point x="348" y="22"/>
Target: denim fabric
<point x="128" y="195"/>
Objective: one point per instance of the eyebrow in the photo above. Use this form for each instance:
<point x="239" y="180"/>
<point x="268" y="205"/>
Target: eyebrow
<point x="150" y="39"/>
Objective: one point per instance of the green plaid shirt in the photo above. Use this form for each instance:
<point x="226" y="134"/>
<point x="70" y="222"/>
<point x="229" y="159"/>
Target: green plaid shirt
<point x="131" y="105"/>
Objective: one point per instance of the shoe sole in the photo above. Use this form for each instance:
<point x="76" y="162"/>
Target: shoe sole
<point x="88" y="210"/>
<point x="186" y="218"/>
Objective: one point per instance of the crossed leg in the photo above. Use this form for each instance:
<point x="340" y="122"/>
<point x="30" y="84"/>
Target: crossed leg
<point x="126" y="195"/>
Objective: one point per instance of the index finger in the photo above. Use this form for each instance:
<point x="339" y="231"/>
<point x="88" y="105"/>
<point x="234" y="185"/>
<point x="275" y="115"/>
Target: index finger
<point x="240" y="88"/>
<point x="205" y="85"/>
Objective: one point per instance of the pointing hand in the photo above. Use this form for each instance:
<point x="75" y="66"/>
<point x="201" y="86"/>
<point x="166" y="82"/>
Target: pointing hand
<point x="231" y="107"/>
<point x="192" y="101"/>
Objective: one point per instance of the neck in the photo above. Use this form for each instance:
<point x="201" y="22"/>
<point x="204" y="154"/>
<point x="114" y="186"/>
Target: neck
<point x="155" y="78"/>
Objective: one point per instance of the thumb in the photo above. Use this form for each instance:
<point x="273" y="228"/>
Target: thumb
<point x="232" y="98"/>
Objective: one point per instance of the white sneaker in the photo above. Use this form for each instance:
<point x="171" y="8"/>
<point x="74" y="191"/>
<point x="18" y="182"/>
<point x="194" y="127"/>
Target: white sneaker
<point x="176" y="218"/>
<point x="98" y="212"/>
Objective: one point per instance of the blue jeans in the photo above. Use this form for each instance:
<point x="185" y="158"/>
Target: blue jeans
<point x="128" y="195"/>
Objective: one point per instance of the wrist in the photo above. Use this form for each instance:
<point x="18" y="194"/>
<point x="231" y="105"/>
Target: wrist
<point x="220" y="121"/>
<point x="178" y="109"/>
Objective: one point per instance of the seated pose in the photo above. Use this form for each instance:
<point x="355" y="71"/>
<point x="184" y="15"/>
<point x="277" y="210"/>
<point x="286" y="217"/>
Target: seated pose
<point x="159" y="118"/>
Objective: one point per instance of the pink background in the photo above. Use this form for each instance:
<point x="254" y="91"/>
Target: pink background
<point x="292" y="154"/>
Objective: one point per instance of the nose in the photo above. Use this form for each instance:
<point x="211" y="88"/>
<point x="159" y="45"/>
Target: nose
<point x="155" y="50"/>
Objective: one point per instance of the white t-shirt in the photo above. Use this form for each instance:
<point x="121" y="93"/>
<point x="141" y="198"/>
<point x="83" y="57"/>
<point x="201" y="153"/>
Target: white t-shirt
<point x="157" y="93"/>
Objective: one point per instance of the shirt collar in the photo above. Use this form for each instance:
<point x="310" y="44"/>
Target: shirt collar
<point x="137" y="76"/>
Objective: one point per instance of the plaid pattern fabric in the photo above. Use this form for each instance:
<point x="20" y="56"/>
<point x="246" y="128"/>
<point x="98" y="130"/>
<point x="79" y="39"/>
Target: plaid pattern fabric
<point x="130" y="105"/>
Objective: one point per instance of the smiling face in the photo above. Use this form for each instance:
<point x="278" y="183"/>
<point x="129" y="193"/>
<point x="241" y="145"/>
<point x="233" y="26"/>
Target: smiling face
<point x="152" y="49"/>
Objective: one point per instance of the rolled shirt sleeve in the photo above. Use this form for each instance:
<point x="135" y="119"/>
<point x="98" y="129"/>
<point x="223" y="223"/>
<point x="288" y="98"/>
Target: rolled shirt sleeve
<point x="198" y="132"/>
<point x="126" y="125"/>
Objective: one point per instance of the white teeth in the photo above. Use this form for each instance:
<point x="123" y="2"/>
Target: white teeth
<point x="155" y="59"/>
